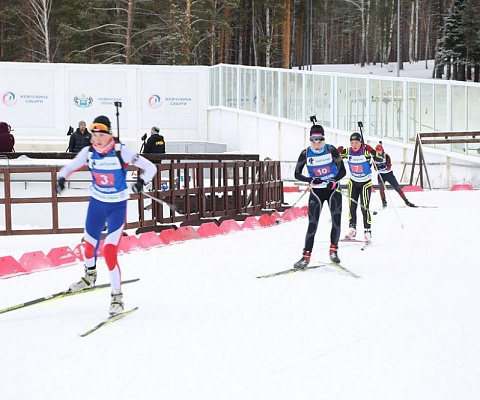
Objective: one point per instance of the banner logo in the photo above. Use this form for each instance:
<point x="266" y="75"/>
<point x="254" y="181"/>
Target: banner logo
<point x="9" y="99"/>
<point x="83" y="101"/>
<point x="155" y="101"/>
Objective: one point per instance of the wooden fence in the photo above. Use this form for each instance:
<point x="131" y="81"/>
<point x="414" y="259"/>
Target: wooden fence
<point x="198" y="185"/>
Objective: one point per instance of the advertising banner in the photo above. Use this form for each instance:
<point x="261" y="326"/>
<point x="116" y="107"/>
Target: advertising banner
<point x="27" y="98"/>
<point x="169" y="100"/>
<point x="93" y="93"/>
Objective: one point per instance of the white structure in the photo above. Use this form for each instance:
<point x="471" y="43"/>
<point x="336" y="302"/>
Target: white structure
<point x="253" y="110"/>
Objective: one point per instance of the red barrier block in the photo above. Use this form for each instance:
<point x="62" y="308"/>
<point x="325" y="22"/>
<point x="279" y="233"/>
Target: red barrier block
<point x="229" y="225"/>
<point x="274" y="217"/>
<point x="62" y="256"/>
<point x="250" y="223"/>
<point x="166" y="235"/>
<point x="305" y="211"/>
<point x="461" y="186"/>
<point x="209" y="229"/>
<point x="413" y="188"/>
<point x="150" y="239"/>
<point x="185" y="233"/>
<point x="35" y="260"/>
<point x="130" y="243"/>
<point x="9" y="266"/>
<point x="265" y="220"/>
<point x="288" y="215"/>
<point x="290" y="189"/>
<point x="298" y="212"/>
<point x="79" y="250"/>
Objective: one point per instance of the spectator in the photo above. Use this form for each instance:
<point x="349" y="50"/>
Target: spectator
<point x="80" y="138"/>
<point x="7" y="141"/>
<point x="155" y="143"/>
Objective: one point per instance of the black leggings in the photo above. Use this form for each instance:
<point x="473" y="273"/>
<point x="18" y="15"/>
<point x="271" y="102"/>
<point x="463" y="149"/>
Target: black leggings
<point x="362" y="190"/>
<point x="315" y="203"/>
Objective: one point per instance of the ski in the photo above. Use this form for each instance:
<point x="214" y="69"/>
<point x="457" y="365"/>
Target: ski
<point x="342" y="269"/>
<point x="60" y="295"/>
<point x="108" y="321"/>
<point x="352" y="240"/>
<point x="290" y="271"/>
<point x="366" y="245"/>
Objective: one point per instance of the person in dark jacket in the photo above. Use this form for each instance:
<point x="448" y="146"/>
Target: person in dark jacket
<point x="80" y="138"/>
<point x="155" y="143"/>
<point x="7" y="141"/>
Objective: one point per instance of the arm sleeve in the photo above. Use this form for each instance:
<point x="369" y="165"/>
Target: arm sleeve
<point x="302" y="160"/>
<point x="148" y="146"/>
<point x="78" y="162"/>
<point x="337" y="159"/>
<point x="148" y="168"/>
<point x="389" y="162"/>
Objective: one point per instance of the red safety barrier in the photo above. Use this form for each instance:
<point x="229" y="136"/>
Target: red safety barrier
<point x="413" y="188"/>
<point x="9" y="266"/>
<point x="79" y="250"/>
<point x="185" y="233"/>
<point x="229" y="225"/>
<point x="291" y="189"/>
<point x="166" y="235"/>
<point x="289" y="215"/>
<point x="150" y="239"/>
<point x="130" y="243"/>
<point x="62" y="256"/>
<point x="265" y="220"/>
<point x="35" y="260"/>
<point x="298" y="212"/>
<point x="208" y="229"/>
<point x="461" y="186"/>
<point x="305" y="211"/>
<point x="274" y="217"/>
<point x="251" y="223"/>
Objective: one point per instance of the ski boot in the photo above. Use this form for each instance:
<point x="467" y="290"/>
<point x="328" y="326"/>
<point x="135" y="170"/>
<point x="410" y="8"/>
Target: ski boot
<point x="85" y="282"/>
<point x="408" y="204"/>
<point x="304" y="261"/>
<point x="334" y="254"/>
<point x="384" y="203"/>
<point x="116" y="304"/>
<point x="351" y="233"/>
<point x="368" y="236"/>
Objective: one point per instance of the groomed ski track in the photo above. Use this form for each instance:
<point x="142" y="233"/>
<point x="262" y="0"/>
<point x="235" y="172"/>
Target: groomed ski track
<point x="208" y="329"/>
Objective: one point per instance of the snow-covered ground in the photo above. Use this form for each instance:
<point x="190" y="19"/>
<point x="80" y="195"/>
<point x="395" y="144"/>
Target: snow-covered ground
<point x="421" y="69"/>
<point x="208" y="329"/>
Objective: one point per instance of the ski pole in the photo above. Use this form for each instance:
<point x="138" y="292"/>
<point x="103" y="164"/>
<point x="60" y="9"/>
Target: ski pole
<point x="294" y="204"/>
<point x="171" y="206"/>
<point x="355" y="201"/>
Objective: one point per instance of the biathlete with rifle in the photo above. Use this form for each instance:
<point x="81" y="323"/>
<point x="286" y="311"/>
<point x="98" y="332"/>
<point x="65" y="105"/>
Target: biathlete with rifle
<point x="385" y="174"/>
<point x="325" y="169"/>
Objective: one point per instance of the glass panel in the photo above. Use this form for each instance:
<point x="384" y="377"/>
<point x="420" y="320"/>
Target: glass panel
<point x="397" y="110"/>
<point x="387" y="110"/>
<point x="290" y="96"/>
<point x="326" y="100"/>
<point x="253" y="90"/>
<point x="317" y="98"/>
<point x="285" y="77"/>
<point x="342" y="103"/>
<point x="299" y="98"/>
<point x="263" y="92"/>
<point x="352" y="105"/>
<point x="375" y="107"/>
<point x="274" y="97"/>
<point x="473" y="107"/>
<point x="440" y="100"/>
<point x="426" y="107"/>
<point x="459" y="123"/>
<point x="413" y="104"/>
<point x="309" y="97"/>
<point x="362" y="102"/>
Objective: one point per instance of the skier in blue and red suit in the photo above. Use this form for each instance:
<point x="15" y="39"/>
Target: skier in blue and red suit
<point x="108" y="162"/>
<point x="325" y="169"/>
<point x="359" y="157"/>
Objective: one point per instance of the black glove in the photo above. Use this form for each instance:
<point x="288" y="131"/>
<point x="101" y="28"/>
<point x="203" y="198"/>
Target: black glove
<point x="332" y="185"/>
<point x="138" y="185"/>
<point x="60" y="185"/>
<point x="316" y="181"/>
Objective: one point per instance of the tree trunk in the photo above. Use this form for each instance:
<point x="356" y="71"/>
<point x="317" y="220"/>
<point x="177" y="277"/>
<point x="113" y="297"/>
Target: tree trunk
<point x="286" y="40"/>
<point x="128" y="44"/>
<point x="476" y="73"/>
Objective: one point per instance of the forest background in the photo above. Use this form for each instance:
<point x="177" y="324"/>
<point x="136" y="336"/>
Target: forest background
<point x="269" y="33"/>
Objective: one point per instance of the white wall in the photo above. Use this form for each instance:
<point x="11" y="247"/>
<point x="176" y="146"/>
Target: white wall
<point x="283" y="140"/>
<point x="40" y="101"/>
